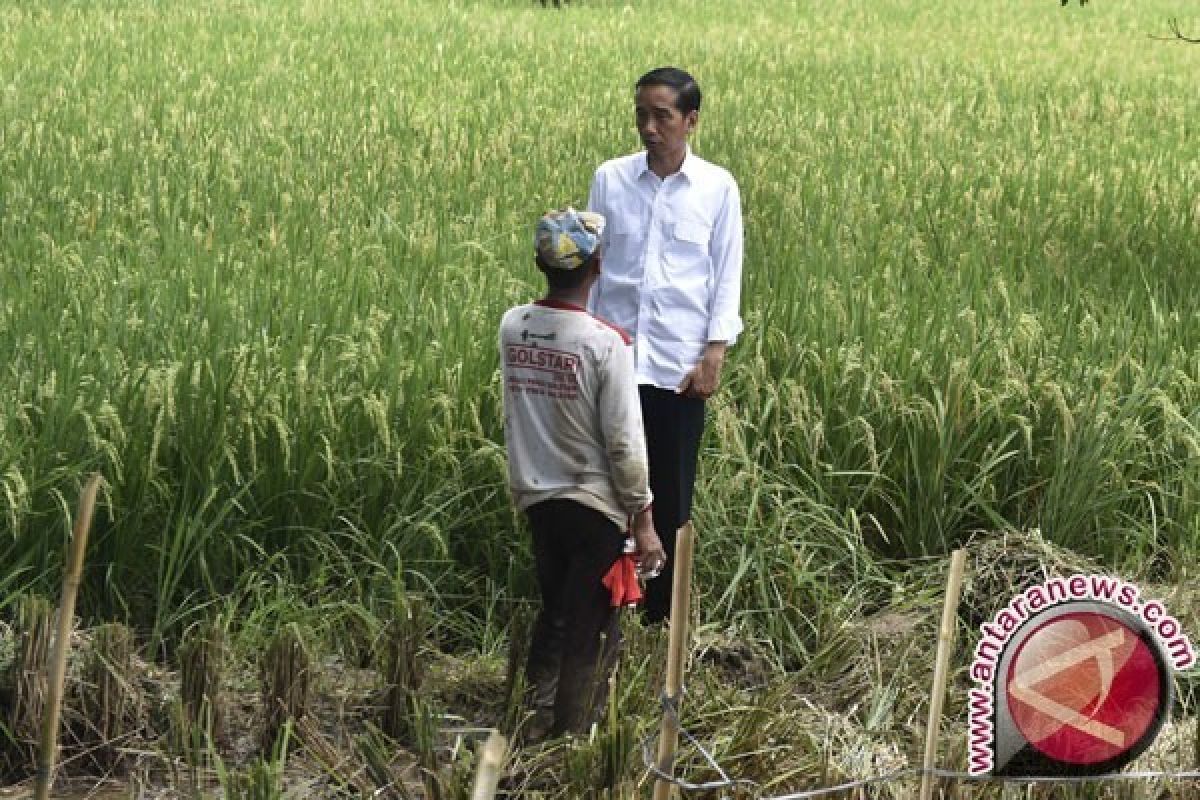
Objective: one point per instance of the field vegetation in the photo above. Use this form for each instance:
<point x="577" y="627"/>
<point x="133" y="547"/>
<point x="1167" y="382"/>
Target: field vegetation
<point x="252" y="259"/>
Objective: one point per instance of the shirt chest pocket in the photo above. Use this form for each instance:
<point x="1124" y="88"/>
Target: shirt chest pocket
<point x="686" y="251"/>
<point x="626" y="235"/>
<point x="626" y="225"/>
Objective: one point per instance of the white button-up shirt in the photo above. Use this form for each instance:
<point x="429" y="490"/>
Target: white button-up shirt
<point x="672" y="269"/>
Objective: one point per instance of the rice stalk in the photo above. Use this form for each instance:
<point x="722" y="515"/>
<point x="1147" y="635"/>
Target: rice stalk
<point x="406" y="635"/>
<point x="110" y="702"/>
<point x="288" y="679"/>
<point x="202" y="663"/>
<point x="30" y="676"/>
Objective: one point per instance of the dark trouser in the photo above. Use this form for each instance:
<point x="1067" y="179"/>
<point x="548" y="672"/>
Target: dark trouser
<point x="577" y="635"/>
<point x="674" y="425"/>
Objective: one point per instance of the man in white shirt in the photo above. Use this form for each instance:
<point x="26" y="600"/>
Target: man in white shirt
<point x="577" y="467"/>
<point x="672" y="278"/>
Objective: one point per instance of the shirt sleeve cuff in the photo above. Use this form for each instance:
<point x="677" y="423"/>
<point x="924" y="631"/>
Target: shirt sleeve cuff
<point x="725" y="330"/>
<point x="642" y="508"/>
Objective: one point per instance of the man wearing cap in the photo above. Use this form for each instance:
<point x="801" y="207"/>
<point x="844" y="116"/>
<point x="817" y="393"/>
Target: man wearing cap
<point x="672" y="278"/>
<point x="577" y="467"/>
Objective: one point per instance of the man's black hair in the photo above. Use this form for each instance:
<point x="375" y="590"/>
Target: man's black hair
<point x="687" y="96"/>
<point x="566" y="278"/>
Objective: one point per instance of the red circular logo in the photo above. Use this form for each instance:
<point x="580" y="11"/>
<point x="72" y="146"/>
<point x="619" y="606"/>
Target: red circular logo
<point x="1083" y="688"/>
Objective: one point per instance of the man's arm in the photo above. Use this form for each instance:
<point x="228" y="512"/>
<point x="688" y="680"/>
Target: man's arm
<point x="650" y="554"/>
<point x="702" y="380"/>
<point x="724" y="322"/>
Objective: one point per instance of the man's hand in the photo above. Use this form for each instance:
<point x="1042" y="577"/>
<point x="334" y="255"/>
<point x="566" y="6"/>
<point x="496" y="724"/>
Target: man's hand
<point x="702" y="381"/>
<point x="649" y="554"/>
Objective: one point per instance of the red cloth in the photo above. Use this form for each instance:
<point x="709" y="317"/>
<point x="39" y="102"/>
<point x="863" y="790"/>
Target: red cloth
<point x="622" y="582"/>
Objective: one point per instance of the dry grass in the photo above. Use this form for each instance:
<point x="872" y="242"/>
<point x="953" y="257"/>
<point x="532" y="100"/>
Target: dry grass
<point x="860" y="714"/>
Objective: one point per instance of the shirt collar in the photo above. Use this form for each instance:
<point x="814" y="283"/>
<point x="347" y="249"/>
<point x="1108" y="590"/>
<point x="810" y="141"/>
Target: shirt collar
<point x="642" y="164"/>
<point x="550" y="302"/>
<point x="690" y="164"/>
<point x="687" y="169"/>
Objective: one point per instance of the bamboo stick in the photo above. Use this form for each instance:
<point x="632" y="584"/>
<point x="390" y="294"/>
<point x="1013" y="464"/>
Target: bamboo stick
<point x="958" y="562"/>
<point x="48" y="748"/>
<point x="491" y="758"/>
<point x="681" y="601"/>
<point x="1196" y="744"/>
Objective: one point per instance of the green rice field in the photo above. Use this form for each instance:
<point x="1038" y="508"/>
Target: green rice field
<point x="252" y="259"/>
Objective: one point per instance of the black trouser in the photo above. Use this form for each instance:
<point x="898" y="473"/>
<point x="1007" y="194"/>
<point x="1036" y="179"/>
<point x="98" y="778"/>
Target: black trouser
<point x="577" y="636"/>
<point x="674" y="424"/>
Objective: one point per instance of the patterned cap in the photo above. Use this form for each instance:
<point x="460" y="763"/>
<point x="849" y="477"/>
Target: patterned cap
<point x="566" y="239"/>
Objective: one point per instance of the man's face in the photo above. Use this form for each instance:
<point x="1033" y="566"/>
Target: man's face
<point x="662" y="127"/>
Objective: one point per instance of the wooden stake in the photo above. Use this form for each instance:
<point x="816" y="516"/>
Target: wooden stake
<point x="491" y="758"/>
<point x="958" y="562"/>
<point x="1196" y="743"/>
<point x="48" y="750"/>
<point x="681" y="601"/>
